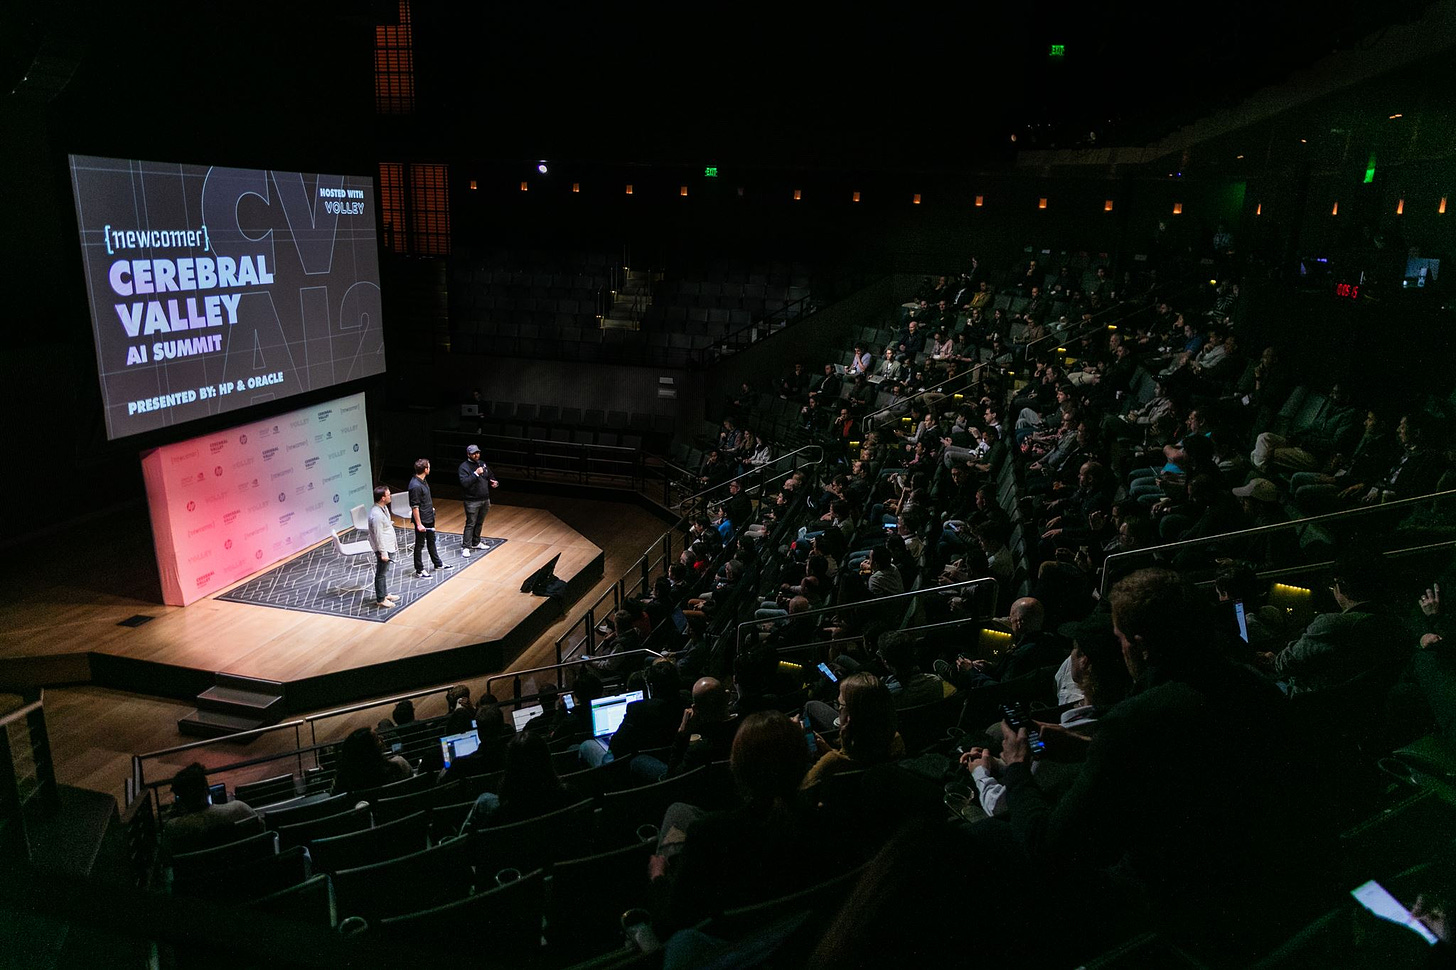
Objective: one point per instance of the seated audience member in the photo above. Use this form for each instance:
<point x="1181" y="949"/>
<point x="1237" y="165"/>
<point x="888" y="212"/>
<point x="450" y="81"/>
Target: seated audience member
<point x="528" y="788"/>
<point x="1364" y="636"/>
<point x="653" y="721"/>
<point x="1334" y="431"/>
<point x="193" y="821"/>
<point x="908" y="686"/>
<point x="1031" y="648"/>
<point x="764" y="849"/>
<point x="362" y="763"/>
<point x="704" y="735"/>
<point x="1315" y="491"/>
<point x="1149" y="829"/>
<point x="867" y="734"/>
<point x="1101" y="676"/>
<point x="494" y="735"/>
<point x="574" y="722"/>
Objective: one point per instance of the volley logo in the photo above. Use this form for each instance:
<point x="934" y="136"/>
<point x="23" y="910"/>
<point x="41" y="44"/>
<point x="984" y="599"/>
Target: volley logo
<point x="192" y="506"/>
<point x="282" y="496"/>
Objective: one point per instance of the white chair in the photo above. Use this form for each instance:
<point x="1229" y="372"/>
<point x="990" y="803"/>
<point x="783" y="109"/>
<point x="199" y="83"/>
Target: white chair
<point x="359" y="516"/>
<point x="399" y="507"/>
<point x="358" y="553"/>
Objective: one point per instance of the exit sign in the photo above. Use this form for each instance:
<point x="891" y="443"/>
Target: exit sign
<point x="710" y="171"/>
<point x="1057" y="50"/>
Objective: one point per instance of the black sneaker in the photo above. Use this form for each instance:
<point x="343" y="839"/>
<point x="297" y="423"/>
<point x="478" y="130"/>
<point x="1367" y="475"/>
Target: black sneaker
<point x="442" y="565"/>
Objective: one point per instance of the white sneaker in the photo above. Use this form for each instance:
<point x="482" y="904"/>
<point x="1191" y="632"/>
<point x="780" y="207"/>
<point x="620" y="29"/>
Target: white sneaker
<point x="422" y="574"/>
<point x="478" y="545"/>
<point x="465" y="552"/>
<point x="384" y="604"/>
<point x="391" y="598"/>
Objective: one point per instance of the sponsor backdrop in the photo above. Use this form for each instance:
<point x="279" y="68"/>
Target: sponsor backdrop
<point x="227" y="505"/>
<point x="216" y="288"/>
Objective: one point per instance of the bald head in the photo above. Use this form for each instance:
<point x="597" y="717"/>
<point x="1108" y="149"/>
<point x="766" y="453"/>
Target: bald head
<point x="1027" y="615"/>
<point x="710" y="700"/>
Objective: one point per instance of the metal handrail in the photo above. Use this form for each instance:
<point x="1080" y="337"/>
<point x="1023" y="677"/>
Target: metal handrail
<point x="312" y="719"/>
<point x="1316" y="566"/>
<point x="969" y="377"/>
<point x="518" y="674"/>
<point x="714" y="348"/>
<point x="1272" y="527"/>
<point x="20" y="712"/>
<point x="876" y="601"/>
<point x="756" y="471"/>
<point x="640" y="568"/>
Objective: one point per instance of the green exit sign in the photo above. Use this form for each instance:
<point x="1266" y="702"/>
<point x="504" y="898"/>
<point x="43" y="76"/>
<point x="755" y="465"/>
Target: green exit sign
<point x="710" y="171"/>
<point x="1057" y="50"/>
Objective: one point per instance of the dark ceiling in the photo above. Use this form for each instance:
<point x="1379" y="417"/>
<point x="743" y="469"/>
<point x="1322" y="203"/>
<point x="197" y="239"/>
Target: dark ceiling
<point x="749" y="84"/>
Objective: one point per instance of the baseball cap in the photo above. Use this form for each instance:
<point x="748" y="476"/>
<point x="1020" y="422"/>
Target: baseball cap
<point x="1258" y="489"/>
<point x="472" y="450"/>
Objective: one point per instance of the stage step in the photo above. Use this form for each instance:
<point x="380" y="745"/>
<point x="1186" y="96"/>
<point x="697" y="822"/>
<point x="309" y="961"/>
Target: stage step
<point x="214" y="724"/>
<point x="244" y="703"/>
<point x="234" y="703"/>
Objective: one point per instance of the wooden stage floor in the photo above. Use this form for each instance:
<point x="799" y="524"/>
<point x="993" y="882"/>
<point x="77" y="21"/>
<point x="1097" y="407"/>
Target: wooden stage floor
<point x="64" y="624"/>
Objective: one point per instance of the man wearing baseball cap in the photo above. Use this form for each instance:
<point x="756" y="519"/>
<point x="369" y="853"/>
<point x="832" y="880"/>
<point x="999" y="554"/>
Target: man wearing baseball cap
<point x="475" y="486"/>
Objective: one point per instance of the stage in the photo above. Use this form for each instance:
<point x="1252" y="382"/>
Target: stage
<point x="72" y="629"/>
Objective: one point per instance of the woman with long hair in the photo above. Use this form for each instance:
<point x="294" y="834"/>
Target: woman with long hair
<point x="363" y="764"/>
<point x="528" y="788"/>
<point x="867" y="729"/>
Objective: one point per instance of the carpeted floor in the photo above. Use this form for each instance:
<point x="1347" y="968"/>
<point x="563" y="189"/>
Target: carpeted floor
<point x="320" y="581"/>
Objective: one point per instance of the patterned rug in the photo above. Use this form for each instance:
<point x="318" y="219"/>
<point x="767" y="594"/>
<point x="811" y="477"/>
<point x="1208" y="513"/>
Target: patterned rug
<point x="319" y="581"/>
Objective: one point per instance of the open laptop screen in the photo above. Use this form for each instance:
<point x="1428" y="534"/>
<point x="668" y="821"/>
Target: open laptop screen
<point x="607" y="712"/>
<point x="524" y="715"/>
<point x="458" y="746"/>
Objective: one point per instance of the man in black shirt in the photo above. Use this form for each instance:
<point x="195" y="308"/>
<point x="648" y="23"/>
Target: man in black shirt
<point x="475" y="486"/>
<point x="422" y="508"/>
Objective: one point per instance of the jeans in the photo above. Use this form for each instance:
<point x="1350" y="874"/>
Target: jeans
<point x="475" y="513"/>
<point x="594" y="753"/>
<point x="428" y="537"/>
<point x="381" y="566"/>
<point x="646" y="769"/>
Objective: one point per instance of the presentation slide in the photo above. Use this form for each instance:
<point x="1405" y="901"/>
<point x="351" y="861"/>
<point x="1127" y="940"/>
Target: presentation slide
<point x="214" y="289"/>
<point x="227" y="505"/>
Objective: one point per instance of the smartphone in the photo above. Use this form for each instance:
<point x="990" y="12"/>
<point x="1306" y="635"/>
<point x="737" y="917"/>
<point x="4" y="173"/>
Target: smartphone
<point x="809" y="731"/>
<point x="1242" y="620"/>
<point x="828" y="674"/>
<point x="217" y="794"/>
<point x="1378" y="900"/>
<point x="569" y="702"/>
<point x="1015" y="715"/>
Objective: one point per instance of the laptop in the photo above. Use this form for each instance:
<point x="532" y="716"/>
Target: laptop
<point x="470" y="410"/>
<point x="525" y="714"/>
<point x="607" y="713"/>
<point x="458" y="746"/>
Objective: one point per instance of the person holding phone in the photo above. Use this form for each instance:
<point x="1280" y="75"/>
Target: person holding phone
<point x="867" y="729"/>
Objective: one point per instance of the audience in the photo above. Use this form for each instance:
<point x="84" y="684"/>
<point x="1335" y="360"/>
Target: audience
<point x="194" y="821"/>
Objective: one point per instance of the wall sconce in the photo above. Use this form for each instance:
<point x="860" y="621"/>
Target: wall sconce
<point x="915" y="199"/>
<point x="1177" y="208"/>
<point x="523" y="186"/>
<point x="682" y="190"/>
<point x="980" y="201"/>
<point x="1335" y="209"/>
<point x="473" y="186"/>
<point x="1041" y="203"/>
<point x="855" y="197"/>
<point x="1400" y="207"/>
<point x="1107" y="206"/>
<point x="798" y="195"/>
<point x="629" y="188"/>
